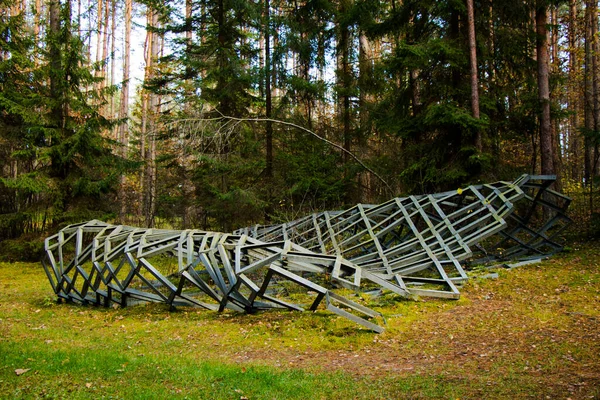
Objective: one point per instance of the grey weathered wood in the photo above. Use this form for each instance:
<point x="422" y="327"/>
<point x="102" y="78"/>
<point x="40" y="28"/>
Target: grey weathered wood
<point x="390" y="245"/>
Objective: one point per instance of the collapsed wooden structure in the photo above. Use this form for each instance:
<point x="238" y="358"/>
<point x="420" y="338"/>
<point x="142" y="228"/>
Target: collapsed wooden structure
<point x="409" y="246"/>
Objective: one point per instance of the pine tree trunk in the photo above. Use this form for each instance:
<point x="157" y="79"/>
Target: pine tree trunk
<point x="145" y="124"/>
<point x="105" y="38"/>
<point x="596" y="88"/>
<point x="153" y="110"/>
<point x="99" y="36"/>
<point x="365" y="60"/>
<point x="113" y="28"/>
<point x="55" y="61"/>
<point x="36" y="19"/>
<point x="474" y="78"/>
<point x="89" y="35"/>
<point x="124" y="105"/>
<point x="555" y="68"/>
<point x="188" y="18"/>
<point x="589" y="94"/>
<point x="573" y="96"/>
<point x="344" y="81"/>
<point x="268" y="100"/>
<point x="546" y="148"/>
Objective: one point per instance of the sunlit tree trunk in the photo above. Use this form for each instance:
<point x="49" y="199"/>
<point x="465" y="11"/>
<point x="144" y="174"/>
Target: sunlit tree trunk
<point x="151" y="124"/>
<point x="104" y="59"/>
<point x="188" y="18"/>
<point x="113" y="28"/>
<point x="145" y="115"/>
<point x="99" y="36"/>
<point x="124" y="104"/>
<point x="36" y="18"/>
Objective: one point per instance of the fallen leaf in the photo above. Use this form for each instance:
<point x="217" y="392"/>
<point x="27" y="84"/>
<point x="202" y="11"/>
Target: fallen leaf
<point x="88" y="385"/>
<point x="21" y="371"/>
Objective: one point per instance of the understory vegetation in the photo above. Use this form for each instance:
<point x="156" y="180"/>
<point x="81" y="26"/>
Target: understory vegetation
<point x="217" y="115"/>
<point x="531" y="333"/>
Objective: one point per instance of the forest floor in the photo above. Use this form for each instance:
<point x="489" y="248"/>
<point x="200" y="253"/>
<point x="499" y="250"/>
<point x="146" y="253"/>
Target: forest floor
<point x="534" y="332"/>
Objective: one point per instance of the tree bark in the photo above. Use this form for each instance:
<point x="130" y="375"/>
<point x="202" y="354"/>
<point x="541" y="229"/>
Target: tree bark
<point x="124" y="105"/>
<point x="36" y="19"/>
<point x="145" y="124"/>
<point x="154" y="108"/>
<point x="113" y="28"/>
<point x="343" y="51"/>
<point x="474" y="78"/>
<point x="55" y="62"/>
<point x="595" y="84"/>
<point x="105" y="39"/>
<point x="268" y="99"/>
<point x="365" y="59"/>
<point x="573" y="96"/>
<point x="99" y="36"/>
<point x="546" y="148"/>
<point x="590" y="95"/>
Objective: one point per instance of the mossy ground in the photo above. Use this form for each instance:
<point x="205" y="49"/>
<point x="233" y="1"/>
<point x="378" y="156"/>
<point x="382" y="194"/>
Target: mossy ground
<point x="531" y="333"/>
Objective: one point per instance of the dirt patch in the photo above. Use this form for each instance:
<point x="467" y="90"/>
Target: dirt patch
<point x="483" y="341"/>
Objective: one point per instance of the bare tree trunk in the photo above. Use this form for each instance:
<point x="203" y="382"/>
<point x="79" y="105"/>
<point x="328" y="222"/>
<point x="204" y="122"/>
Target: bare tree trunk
<point x="36" y="19"/>
<point x="79" y="19"/>
<point x="591" y="86"/>
<point x="546" y="149"/>
<point x="145" y="116"/>
<point x="124" y="105"/>
<point x="343" y="78"/>
<point x="365" y="66"/>
<point x="113" y="28"/>
<point x="556" y="94"/>
<point x="154" y="105"/>
<point x="55" y="60"/>
<point x="188" y="18"/>
<point x="492" y="42"/>
<point x="99" y="35"/>
<point x="105" y="38"/>
<point x="573" y="97"/>
<point x="89" y="35"/>
<point x="268" y="100"/>
<point x="474" y="78"/>
<point x="595" y="83"/>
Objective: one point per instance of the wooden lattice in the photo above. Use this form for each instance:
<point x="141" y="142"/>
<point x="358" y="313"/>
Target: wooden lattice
<point x="409" y="246"/>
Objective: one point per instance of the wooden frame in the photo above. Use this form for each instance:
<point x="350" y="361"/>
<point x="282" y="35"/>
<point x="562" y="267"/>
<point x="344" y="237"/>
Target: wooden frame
<point x="409" y="246"/>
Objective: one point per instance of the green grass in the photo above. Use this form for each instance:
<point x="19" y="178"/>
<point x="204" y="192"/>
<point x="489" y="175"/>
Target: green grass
<point x="531" y="333"/>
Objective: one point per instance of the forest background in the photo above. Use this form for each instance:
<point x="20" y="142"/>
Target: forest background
<point x="264" y="111"/>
